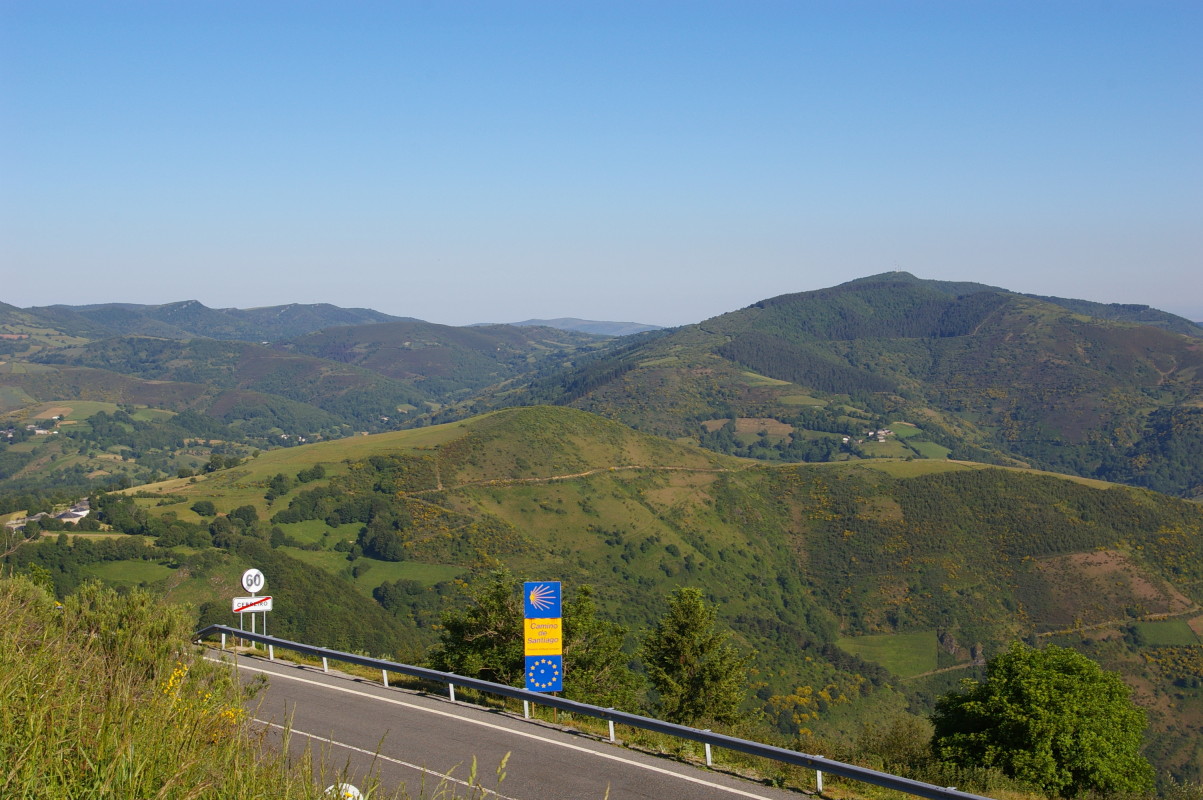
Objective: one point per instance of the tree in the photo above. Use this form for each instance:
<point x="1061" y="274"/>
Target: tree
<point x="485" y="641"/>
<point x="1049" y="717"/>
<point x="595" y="667"/>
<point x="696" y="672"/>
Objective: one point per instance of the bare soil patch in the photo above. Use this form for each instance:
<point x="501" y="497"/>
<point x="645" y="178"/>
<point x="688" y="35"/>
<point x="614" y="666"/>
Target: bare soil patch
<point x="1096" y="587"/>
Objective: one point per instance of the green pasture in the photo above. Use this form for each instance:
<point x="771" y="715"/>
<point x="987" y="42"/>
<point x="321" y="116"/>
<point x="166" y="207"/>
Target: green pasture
<point x="128" y="573"/>
<point x="311" y="531"/>
<point x="1168" y="633"/>
<point x="659" y="362"/>
<point x="807" y="433"/>
<point x="929" y="449"/>
<point x="800" y="400"/>
<point x="904" y="654"/>
<point x="890" y="448"/>
<point x="82" y="409"/>
<point x="904" y="430"/>
<point x="24" y="368"/>
<point x="13" y="398"/>
<point x="376" y="572"/>
<point x="756" y="379"/>
<point x="912" y="469"/>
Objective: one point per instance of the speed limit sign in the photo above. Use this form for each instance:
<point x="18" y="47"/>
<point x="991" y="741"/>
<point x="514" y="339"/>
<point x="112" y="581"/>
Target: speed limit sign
<point x="253" y="580"/>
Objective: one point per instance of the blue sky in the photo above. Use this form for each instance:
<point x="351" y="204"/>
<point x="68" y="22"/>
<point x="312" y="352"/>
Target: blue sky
<point x="646" y="161"/>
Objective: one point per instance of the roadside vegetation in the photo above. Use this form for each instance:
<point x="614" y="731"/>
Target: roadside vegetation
<point x="101" y="695"/>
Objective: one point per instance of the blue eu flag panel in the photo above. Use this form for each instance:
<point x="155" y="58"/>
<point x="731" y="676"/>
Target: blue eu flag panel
<point x="541" y="599"/>
<point x="545" y="673"/>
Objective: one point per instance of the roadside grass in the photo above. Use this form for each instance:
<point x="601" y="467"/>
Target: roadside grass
<point x="904" y="654"/>
<point x="763" y="771"/>
<point x="101" y="696"/>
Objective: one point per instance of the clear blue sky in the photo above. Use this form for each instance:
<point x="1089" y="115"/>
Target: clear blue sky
<point x="644" y="161"/>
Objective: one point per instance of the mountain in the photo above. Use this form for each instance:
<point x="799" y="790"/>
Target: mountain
<point x="1126" y="312"/>
<point x="357" y="396"/>
<point x="958" y="370"/>
<point x="445" y="361"/>
<point x="190" y="319"/>
<point x="870" y="586"/>
<point x="589" y="326"/>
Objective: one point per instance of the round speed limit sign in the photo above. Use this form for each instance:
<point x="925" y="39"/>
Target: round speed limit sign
<point x="253" y="580"/>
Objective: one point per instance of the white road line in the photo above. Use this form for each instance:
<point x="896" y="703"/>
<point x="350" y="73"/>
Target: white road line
<point x="445" y="776"/>
<point x="509" y="731"/>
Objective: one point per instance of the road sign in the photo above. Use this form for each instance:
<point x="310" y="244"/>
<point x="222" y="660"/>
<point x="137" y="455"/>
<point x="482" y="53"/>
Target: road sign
<point x="544" y="637"/>
<point x="253" y="581"/>
<point x="541" y="599"/>
<point x="252" y="605"/>
<point x="545" y="673"/>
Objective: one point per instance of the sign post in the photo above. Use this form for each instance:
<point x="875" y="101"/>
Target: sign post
<point x="543" y="636"/>
<point x="253" y="581"/>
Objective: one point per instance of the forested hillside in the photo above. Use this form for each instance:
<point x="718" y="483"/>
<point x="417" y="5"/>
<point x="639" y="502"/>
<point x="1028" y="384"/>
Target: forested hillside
<point x="967" y="371"/>
<point x="861" y="586"/>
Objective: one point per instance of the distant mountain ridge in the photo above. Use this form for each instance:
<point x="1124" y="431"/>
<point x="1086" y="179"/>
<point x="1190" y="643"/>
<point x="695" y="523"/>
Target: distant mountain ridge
<point x="983" y="373"/>
<point x="589" y="326"/>
<point x="189" y="319"/>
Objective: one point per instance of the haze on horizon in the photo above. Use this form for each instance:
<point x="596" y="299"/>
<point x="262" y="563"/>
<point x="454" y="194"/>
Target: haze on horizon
<point x="656" y="163"/>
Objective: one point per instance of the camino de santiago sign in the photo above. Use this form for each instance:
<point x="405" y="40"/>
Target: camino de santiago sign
<point x="543" y="636"/>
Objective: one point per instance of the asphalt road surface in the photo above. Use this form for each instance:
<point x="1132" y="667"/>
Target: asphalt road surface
<point x="361" y="729"/>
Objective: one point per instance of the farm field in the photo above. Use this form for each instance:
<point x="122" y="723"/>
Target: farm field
<point x="129" y="573"/>
<point x="1168" y="633"/>
<point x="904" y="654"/>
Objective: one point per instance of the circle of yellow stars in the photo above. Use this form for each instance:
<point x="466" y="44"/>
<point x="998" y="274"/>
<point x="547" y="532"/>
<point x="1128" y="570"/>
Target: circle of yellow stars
<point x="555" y="672"/>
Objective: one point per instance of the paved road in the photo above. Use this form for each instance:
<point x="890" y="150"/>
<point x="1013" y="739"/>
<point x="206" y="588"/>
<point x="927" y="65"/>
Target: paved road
<point x="416" y="740"/>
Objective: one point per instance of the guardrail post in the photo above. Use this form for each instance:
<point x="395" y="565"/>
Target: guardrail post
<point x="611" y="729"/>
<point x="384" y="677"/>
<point x="526" y="709"/>
<point x="451" y="691"/>
<point x="709" y="763"/>
<point x="271" y="652"/>
<point x="818" y="781"/>
<point x="223" y="641"/>
<point x="325" y="665"/>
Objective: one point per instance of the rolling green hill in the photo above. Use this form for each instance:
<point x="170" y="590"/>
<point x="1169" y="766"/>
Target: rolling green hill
<point x="880" y="582"/>
<point x="986" y="375"/>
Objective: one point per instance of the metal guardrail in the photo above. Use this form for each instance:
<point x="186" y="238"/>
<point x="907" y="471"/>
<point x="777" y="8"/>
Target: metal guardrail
<point x="708" y="738"/>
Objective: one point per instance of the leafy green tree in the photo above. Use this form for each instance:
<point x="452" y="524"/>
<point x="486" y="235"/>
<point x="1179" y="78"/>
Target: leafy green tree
<point x="485" y="640"/>
<point x="205" y="508"/>
<point x="596" y="669"/>
<point x="1050" y="717"/>
<point x="246" y="515"/>
<point x="697" y="673"/>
